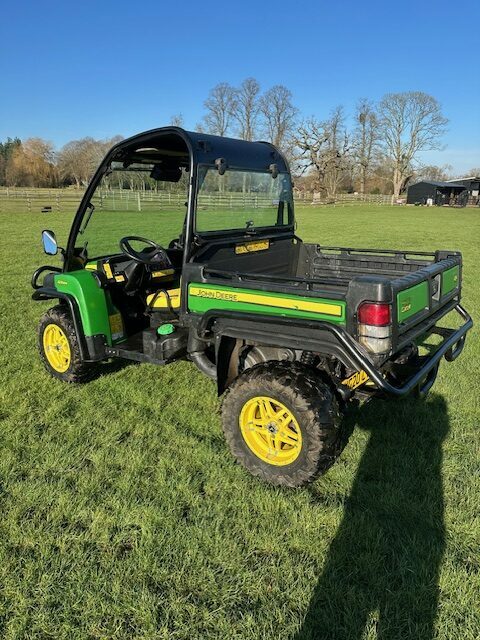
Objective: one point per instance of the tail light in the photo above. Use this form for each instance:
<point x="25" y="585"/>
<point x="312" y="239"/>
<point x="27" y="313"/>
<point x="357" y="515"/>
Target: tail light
<point x="375" y="326"/>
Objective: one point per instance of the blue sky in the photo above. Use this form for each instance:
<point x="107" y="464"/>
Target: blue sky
<point x="71" y="69"/>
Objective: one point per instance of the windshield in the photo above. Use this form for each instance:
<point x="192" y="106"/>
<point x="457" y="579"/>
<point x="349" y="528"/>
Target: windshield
<point x="242" y="200"/>
<point x="131" y="203"/>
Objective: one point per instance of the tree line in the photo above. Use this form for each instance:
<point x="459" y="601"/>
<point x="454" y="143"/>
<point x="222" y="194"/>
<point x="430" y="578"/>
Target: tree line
<point x="376" y="150"/>
<point x="36" y="163"/>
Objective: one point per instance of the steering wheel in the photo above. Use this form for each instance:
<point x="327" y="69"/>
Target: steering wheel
<point x="158" y="253"/>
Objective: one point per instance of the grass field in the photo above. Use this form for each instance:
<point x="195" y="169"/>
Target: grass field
<point x="124" y="516"/>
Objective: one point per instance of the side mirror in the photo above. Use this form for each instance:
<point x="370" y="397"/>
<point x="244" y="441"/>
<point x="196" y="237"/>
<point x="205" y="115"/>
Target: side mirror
<point x="49" y="241"/>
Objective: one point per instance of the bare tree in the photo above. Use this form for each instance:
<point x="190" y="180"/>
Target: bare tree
<point x="220" y="105"/>
<point x="365" y="139"/>
<point x="410" y="122"/>
<point x="432" y="172"/>
<point x="78" y="159"/>
<point x="310" y="140"/>
<point x="246" y="108"/>
<point x="177" y="120"/>
<point x="337" y="153"/>
<point x="40" y="148"/>
<point x="279" y="115"/>
<point x="324" y="147"/>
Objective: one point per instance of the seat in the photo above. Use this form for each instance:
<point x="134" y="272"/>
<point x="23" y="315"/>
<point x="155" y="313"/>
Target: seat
<point x="164" y="299"/>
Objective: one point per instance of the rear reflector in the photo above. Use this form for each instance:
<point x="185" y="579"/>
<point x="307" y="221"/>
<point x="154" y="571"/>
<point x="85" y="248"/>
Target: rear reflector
<point x="376" y="314"/>
<point x="376" y="339"/>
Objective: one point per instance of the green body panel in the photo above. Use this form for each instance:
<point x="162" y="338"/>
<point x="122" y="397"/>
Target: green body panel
<point x="411" y="301"/>
<point x="286" y="303"/>
<point x="450" y="280"/>
<point x="91" y="300"/>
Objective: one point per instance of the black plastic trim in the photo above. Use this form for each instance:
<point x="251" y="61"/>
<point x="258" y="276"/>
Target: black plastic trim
<point x="450" y="348"/>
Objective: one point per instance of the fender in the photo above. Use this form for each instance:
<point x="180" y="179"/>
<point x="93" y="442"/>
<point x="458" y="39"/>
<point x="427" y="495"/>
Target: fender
<point x="230" y="327"/>
<point x="92" y="347"/>
<point x="49" y="293"/>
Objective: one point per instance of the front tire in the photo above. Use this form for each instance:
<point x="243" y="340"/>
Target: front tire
<point x="282" y="423"/>
<point x="59" y="348"/>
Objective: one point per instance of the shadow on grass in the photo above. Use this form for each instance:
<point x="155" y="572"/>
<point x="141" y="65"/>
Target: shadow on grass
<point x="110" y="367"/>
<point x="380" y="578"/>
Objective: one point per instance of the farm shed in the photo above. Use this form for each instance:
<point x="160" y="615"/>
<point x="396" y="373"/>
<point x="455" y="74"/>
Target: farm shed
<point x="440" y="192"/>
<point x="472" y="185"/>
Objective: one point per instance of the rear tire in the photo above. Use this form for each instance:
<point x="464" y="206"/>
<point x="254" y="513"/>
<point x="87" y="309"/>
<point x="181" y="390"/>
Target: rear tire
<point x="283" y="423"/>
<point x="59" y="348"/>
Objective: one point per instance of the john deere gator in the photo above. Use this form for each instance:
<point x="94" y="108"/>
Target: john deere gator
<point x="184" y="247"/>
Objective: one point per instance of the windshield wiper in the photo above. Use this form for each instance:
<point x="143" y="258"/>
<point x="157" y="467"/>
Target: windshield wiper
<point x="250" y="228"/>
<point x="87" y="219"/>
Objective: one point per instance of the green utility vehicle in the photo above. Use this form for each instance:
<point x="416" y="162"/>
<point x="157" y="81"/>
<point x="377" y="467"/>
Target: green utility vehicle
<point x="184" y="247"/>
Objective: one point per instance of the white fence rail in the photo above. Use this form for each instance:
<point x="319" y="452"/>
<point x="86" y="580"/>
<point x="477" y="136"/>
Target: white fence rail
<point x="343" y="198"/>
<point x="67" y="200"/>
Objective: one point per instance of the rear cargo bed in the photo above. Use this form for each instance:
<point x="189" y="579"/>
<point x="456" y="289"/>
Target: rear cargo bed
<point x="342" y="264"/>
<point x="313" y="269"/>
<point x="419" y="286"/>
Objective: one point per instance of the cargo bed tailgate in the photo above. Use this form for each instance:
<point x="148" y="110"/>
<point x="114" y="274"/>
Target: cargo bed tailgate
<point x="430" y="292"/>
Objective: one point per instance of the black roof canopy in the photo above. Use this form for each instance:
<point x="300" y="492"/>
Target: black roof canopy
<point x="174" y="142"/>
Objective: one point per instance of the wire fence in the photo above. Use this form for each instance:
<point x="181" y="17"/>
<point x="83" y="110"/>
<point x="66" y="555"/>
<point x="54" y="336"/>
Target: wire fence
<point x="38" y="200"/>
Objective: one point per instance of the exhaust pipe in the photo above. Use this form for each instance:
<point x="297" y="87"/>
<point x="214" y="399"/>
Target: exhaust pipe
<point x="196" y="353"/>
<point x="202" y="362"/>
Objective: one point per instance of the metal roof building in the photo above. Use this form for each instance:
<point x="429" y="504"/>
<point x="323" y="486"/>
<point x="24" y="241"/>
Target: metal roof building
<point x="471" y="184"/>
<point x="441" y="193"/>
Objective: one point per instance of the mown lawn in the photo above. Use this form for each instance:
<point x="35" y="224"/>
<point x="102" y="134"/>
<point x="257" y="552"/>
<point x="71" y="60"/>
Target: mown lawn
<point x="124" y="516"/>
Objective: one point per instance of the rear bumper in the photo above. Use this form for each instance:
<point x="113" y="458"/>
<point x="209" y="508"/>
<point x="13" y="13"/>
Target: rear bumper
<point x="421" y="381"/>
<point x="311" y="335"/>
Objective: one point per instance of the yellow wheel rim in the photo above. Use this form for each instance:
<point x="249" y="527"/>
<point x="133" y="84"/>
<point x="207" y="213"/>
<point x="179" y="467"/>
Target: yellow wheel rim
<point x="56" y="348"/>
<point x="270" y="431"/>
